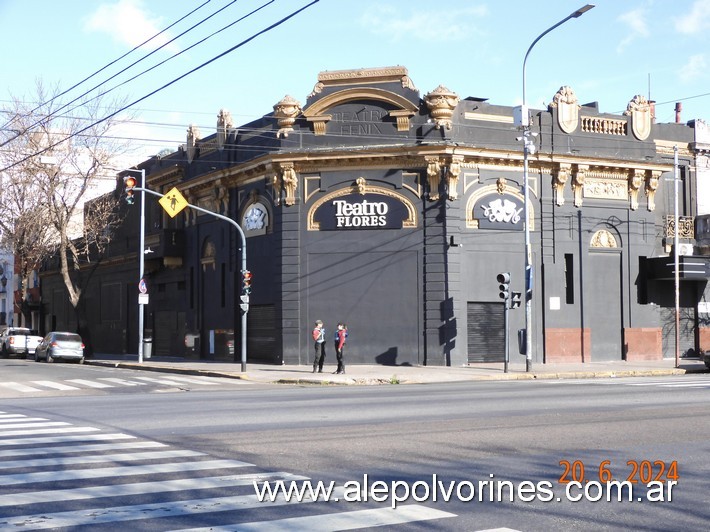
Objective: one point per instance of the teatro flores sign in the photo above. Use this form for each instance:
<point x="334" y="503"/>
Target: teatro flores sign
<point x="363" y="207"/>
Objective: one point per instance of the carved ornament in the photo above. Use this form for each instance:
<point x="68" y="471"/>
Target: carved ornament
<point x="636" y="180"/>
<point x="560" y="176"/>
<point x="224" y="124"/>
<point x="361" y="185"/>
<point x="640" y="111"/>
<point x="567" y="104"/>
<point x="452" y="176"/>
<point x="579" y="177"/>
<point x="652" y="179"/>
<point x="441" y="103"/>
<point x="286" y="179"/>
<point x="193" y="135"/>
<point x="501" y="184"/>
<point x="603" y="239"/>
<point x="433" y="172"/>
<point x="286" y="112"/>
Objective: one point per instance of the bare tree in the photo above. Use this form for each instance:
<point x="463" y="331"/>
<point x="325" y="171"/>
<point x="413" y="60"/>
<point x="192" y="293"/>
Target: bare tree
<point x="51" y="163"/>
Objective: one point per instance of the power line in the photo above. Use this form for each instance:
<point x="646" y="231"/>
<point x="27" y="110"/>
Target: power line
<point x="175" y="80"/>
<point x="39" y="105"/>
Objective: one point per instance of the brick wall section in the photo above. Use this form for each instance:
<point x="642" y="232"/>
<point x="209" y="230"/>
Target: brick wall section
<point x="568" y="345"/>
<point x="643" y="344"/>
<point x="704" y="333"/>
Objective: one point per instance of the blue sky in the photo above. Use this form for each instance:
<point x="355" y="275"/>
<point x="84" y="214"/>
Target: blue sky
<point x="475" y="48"/>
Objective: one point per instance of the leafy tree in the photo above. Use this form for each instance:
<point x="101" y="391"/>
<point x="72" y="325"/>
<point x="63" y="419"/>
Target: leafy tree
<point x="52" y="162"/>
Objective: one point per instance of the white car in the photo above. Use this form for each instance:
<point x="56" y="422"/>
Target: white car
<point x="19" y="341"/>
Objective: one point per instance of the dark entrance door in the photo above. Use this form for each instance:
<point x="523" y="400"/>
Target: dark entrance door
<point x="486" y="332"/>
<point x="602" y="302"/>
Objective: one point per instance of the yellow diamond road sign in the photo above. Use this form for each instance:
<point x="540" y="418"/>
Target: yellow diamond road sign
<point x="173" y="202"/>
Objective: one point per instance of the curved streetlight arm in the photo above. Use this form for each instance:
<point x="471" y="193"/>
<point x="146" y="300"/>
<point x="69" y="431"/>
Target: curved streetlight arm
<point x="581" y="11"/>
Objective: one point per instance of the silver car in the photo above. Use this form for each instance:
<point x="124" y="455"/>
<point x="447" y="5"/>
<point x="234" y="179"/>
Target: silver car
<point x="60" y="345"/>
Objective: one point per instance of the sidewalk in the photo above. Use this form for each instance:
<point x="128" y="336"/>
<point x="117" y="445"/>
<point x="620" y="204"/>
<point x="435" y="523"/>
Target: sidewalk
<point x="375" y="374"/>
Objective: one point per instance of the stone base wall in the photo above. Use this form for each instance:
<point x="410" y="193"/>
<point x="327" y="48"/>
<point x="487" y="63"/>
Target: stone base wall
<point x="568" y="345"/>
<point x="643" y="344"/>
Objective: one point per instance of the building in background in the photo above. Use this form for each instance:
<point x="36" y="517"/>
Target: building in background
<point x="394" y="211"/>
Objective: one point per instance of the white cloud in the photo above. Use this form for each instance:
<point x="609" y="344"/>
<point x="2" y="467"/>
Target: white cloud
<point x="450" y="25"/>
<point x="694" y="69"/>
<point x="635" y="22"/>
<point x="127" y="22"/>
<point x="696" y="20"/>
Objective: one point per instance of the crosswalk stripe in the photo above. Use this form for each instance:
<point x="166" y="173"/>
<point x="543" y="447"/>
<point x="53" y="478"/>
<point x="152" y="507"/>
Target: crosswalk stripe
<point x="53" y="430"/>
<point x="151" y="469"/>
<point x="10" y="416"/>
<point x="23" y="418"/>
<point x="142" y="488"/>
<point x="8" y="453"/>
<point x="32" y="424"/>
<point x="138" y="511"/>
<point x="90" y="384"/>
<point x="338" y="521"/>
<point x="17" y="387"/>
<point x="97" y="459"/>
<point x="195" y="380"/>
<point x="55" y="385"/>
<point x="161" y="381"/>
<point x="122" y="382"/>
<point x="46" y="440"/>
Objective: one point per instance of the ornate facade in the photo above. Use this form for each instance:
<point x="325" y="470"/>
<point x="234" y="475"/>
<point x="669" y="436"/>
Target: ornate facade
<point x="394" y="212"/>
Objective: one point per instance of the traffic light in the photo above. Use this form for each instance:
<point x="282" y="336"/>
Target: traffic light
<point x="515" y="298"/>
<point x="504" y="285"/>
<point x="246" y="282"/>
<point x="129" y="183"/>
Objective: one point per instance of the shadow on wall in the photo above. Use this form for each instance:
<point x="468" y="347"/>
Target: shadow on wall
<point x="389" y="358"/>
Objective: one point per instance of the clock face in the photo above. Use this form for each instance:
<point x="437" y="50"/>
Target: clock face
<point x="255" y="218"/>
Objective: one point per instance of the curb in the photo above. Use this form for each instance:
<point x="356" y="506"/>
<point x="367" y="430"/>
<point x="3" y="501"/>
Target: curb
<point x="378" y="381"/>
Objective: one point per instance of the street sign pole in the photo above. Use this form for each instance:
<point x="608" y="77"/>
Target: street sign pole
<point x="175" y="204"/>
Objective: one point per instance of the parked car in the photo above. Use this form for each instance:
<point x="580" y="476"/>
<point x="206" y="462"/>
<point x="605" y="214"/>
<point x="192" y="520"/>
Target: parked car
<point x="19" y="341"/>
<point x="60" y="345"/>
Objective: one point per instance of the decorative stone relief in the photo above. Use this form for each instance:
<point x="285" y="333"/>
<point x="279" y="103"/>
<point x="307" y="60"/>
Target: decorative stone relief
<point x="567" y="104"/>
<point x="603" y="239"/>
<point x="559" y="178"/>
<point x="441" y="103"/>
<point x="289" y="182"/>
<point x="433" y="172"/>
<point x="221" y="197"/>
<point x="652" y="179"/>
<point x="636" y="180"/>
<point x="501" y="184"/>
<point x="193" y="135"/>
<point x="361" y="185"/>
<point x="224" y="124"/>
<point x="452" y="176"/>
<point x="578" y="179"/>
<point x="286" y="112"/>
<point x="640" y="111"/>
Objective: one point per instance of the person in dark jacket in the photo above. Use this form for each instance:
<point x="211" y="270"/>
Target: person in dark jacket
<point x="319" y="339"/>
<point x="340" y="336"/>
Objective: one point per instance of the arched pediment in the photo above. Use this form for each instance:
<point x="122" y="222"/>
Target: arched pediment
<point x="317" y="113"/>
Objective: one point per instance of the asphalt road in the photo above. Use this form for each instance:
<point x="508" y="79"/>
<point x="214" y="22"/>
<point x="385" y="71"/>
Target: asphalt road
<point x="516" y="432"/>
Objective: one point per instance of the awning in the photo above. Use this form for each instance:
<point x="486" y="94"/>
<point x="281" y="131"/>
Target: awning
<point x="691" y="268"/>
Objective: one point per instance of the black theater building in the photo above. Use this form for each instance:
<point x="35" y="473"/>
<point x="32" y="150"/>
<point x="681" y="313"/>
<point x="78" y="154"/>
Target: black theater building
<point x="393" y="211"/>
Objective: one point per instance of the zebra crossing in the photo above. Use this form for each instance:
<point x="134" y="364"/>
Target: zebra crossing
<point x="102" y="383"/>
<point x="55" y="474"/>
<point x="671" y="381"/>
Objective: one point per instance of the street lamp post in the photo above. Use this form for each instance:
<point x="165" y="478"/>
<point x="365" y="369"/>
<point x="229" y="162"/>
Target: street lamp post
<point x="523" y="120"/>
